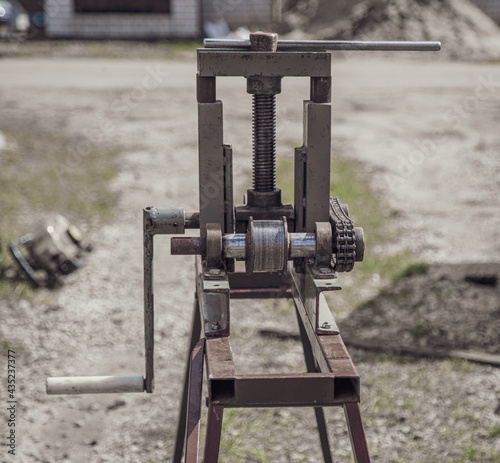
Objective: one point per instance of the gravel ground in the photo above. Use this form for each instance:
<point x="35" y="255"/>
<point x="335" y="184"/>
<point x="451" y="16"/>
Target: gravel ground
<point x="425" y="136"/>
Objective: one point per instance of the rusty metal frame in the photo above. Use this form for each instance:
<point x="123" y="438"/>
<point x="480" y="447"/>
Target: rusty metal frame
<point x="250" y="64"/>
<point x="331" y="378"/>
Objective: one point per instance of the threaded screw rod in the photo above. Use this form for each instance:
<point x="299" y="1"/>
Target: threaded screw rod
<point x="264" y="142"/>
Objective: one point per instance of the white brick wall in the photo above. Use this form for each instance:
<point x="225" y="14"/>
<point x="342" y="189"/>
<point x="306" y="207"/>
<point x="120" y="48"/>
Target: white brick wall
<point x="182" y="22"/>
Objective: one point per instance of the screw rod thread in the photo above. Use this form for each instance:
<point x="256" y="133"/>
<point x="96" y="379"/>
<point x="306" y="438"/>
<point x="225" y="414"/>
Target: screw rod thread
<point x="264" y="142"/>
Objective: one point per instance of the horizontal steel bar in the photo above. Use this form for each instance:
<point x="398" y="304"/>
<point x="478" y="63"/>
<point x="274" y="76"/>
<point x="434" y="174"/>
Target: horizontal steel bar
<point x="295" y="390"/>
<point x="311" y="45"/>
<point x="302" y="244"/>
<point x="94" y="384"/>
<point x="247" y="63"/>
<point x="264" y="293"/>
<point x="233" y="245"/>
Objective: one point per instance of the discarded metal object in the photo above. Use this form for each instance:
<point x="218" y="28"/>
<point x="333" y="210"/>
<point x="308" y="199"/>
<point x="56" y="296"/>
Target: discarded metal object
<point x="54" y="248"/>
<point x="291" y="251"/>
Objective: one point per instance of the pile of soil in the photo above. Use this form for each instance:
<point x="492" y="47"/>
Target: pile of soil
<point x="445" y="307"/>
<point x="465" y="31"/>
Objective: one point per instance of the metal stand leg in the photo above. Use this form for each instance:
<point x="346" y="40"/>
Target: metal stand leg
<point x="214" y="429"/>
<point x="356" y="433"/>
<point x="181" y="426"/>
<point x="194" y="403"/>
<point x="318" y="411"/>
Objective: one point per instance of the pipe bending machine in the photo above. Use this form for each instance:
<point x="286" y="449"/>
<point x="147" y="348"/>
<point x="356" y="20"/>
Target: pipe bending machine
<point x="289" y="250"/>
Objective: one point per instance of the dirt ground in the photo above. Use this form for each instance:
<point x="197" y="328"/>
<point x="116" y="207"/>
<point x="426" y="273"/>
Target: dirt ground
<point x="425" y="136"/>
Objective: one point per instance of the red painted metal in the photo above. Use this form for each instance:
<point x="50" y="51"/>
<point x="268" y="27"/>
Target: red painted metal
<point x="356" y="433"/>
<point x="194" y="403"/>
<point x="214" y="430"/>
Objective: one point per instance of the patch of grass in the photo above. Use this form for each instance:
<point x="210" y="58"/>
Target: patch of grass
<point x="494" y="431"/>
<point x="106" y="49"/>
<point x="494" y="456"/>
<point x="367" y="211"/>
<point x="471" y="453"/>
<point x="409" y="404"/>
<point x="418" y="268"/>
<point x="461" y="364"/>
<point x="459" y="415"/>
<point x="365" y="208"/>
<point x="245" y="435"/>
<point x="419" y="331"/>
<point x="40" y="172"/>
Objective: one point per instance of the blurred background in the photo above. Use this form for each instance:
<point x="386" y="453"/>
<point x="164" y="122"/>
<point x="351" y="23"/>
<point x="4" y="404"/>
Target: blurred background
<point x="98" y="119"/>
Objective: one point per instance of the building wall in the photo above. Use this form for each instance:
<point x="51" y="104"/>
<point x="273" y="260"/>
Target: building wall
<point x="183" y="21"/>
<point x="492" y="7"/>
<point x="240" y="12"/>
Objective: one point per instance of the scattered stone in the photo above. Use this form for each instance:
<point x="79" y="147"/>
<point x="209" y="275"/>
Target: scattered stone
<point x="466" y="32"/>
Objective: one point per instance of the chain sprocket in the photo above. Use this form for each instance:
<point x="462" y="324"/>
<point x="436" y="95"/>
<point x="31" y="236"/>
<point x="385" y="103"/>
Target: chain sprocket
<point x="344" y="237"/>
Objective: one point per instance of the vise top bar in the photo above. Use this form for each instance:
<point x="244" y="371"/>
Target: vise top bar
<point x="319" y="45"/>
<point x="248" y="63"/>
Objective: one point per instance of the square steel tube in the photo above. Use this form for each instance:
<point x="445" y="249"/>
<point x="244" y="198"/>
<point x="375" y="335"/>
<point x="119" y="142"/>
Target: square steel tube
<point x="299" y="390"/>
<point x="272" y="64"/>
<point x="317" y="146"/>
<point x="211" y="164"/>
<point x="259" y="285"/>
<point x="341" y="385"/>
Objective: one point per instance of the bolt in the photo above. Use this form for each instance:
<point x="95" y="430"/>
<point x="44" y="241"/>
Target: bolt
<point x="326" y="326"/>
<point x="215" y="326"/>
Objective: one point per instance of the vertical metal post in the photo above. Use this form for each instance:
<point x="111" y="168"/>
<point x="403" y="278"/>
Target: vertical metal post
<point x="228" y="189"/>
<point x="318" y="411"/>
<point x="317" y="143"/>
<point x="214" y="429"/>
<point x="194" y="403"/>
<point x="211" y="164"/>
<point x="181" y="425"/>
<point x="300" y="188"/>
<point x="356" y="432"/>
<point x="148" y="303"/>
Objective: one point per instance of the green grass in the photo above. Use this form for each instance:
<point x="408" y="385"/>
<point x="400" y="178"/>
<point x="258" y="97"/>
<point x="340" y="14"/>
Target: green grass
<point x="370" y="213"/>
<point x="418" y="268"/>
<point x="494" y="431"/>
<point x="365" y="208"/>
<point x="245" y="434"/>
<point x="108" y="49"/>
<point x="40" y="172"/>
<point x="419" y="331"/>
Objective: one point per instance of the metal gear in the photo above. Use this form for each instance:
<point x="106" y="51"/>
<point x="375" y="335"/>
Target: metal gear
<point x="344" y="237"/>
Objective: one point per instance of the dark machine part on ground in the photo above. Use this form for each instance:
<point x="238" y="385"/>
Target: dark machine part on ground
<point x="14" y="20"/>
<point x="289" y="250"/>
<point x="55" y="248"/>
